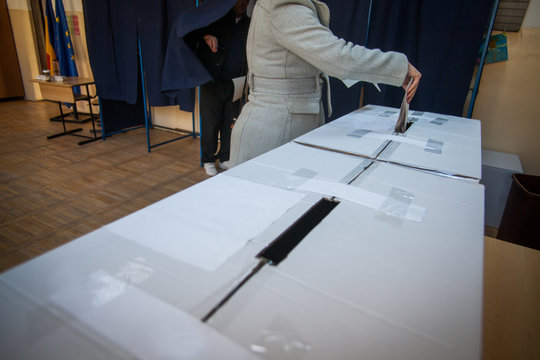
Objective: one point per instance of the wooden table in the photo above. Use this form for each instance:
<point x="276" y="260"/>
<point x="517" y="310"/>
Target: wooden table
<point x="511" y="301"/>
<point x="64" y="92"/>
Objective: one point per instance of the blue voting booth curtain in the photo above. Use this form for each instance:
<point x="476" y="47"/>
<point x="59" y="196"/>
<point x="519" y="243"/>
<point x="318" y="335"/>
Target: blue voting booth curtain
<point x="113" y="31"/>
<point x="113" y="28"/>
<point x="440" y="38"/>
<point x="182" y="69"/>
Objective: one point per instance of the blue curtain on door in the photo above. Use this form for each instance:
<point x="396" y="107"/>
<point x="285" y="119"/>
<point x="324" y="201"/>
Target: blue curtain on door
<point x="440" y="38"/>
<point x="182" y="69"/>
<point x="113" y="31"/>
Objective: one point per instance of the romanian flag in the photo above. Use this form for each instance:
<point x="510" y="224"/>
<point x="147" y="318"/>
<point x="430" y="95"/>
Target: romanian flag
<point x="62" y="43"/>
<point x="50" y="26"/>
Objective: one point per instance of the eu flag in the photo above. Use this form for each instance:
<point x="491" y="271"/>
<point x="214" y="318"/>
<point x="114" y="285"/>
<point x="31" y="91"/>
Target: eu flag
<point x="62" y="43"/>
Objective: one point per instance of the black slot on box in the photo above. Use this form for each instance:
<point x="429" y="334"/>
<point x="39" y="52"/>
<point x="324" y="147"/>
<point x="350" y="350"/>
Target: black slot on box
<point x="287" y="241"/>
<point x="282" y="245"/>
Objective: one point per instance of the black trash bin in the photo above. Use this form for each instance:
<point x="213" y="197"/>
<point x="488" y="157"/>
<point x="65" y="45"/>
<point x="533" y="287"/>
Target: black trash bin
<point x="521" y="218"/>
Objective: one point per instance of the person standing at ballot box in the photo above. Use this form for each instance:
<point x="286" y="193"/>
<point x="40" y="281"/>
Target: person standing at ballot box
<point x="221" y="49"/>
<point x="290" y="51"/>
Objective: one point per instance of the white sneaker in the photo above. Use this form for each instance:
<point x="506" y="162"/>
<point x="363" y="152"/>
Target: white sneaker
<point x="210" y="169"/>
<point x="224" y="165"/>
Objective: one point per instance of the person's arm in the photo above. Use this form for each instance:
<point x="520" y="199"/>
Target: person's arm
<point x="297" y="28"/>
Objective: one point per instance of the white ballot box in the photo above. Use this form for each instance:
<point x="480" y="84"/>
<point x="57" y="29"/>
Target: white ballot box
<point x="392" y="270"/>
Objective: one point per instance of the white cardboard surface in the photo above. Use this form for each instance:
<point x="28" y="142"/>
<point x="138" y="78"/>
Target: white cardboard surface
<point x="107" y="318"/>
<point x="290" y="165"/>
<point x="447" y="124"/>
<point x="366" y="283"/>
<point x="502" y="161"/>
<point x="206" y="224"/>
<point x="368" y="131"/>
<point x="362" y="284"/>
<point x="188" y="287"/>
<point x="346" y="138"/>
<point x="450" y="161"/>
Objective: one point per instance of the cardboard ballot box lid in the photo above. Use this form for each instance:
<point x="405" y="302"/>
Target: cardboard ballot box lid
<point x="291" y="164"/>
<point x="448" y="124"/>
<point x="104" y="296"/>
<point x="365" y="282"/>
<point x="439" y="143"/>
<point x="353" y="132"/>
<point x="445" y="159"/>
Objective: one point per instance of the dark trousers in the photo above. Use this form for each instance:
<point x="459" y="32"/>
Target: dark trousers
<point x="217" y="113"/>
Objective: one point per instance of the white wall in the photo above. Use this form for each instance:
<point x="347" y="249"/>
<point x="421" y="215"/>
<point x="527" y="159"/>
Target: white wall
<point x="532" y="17"/>
<point x="17" y="4"/>
<point x="25" y="43"/>
<point x="508" y="101"/>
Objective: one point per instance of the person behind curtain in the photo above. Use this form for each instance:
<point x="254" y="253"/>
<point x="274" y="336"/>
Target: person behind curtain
<point x="289" y="52"/>
<point x="221" y="48"/>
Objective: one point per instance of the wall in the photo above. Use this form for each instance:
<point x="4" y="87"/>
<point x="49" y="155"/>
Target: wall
<point x="508" y="97"/>
<point x="11" y="85"/>
<point x="532" y="17"/>
<point x="21" y="23"/>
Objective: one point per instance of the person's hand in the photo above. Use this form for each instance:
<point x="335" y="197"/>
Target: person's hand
<point x="415" y="75"/>
<point x="212" y="42"/>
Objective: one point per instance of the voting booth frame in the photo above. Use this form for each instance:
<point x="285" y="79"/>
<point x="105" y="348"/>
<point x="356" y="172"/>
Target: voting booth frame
<point x="147" y="113"/>
<point x="483" y="57"/>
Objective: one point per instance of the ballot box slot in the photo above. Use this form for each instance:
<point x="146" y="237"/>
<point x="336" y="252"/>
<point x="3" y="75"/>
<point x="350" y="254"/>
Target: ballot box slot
<point x="278" y="249"/>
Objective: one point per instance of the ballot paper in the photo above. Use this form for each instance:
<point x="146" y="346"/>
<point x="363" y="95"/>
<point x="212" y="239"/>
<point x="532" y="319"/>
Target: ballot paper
<point x="401" y="124"/>
<point x="239" y="84"/>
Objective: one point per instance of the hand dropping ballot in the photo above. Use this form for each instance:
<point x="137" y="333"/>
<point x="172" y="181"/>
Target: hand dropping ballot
<point x="401" y="123"/>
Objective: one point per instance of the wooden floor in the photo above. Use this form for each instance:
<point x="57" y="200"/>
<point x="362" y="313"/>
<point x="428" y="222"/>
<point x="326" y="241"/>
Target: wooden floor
<point x="53" y="191"/>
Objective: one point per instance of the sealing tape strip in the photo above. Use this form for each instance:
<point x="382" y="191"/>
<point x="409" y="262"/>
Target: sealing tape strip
<point x="305" y="173"/>
<point x="434" y="146"/>
<point x="388" y="113"/>
<point x="361" y="196"/>
<point x="439" y="121"/>
<point x="355" y="172"/>
<point x="398" y="205"/>
<point x="359" y="133"/>
<point x="299" y="177"/>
